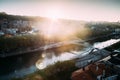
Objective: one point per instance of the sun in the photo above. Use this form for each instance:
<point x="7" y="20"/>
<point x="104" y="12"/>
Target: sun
<point x="55" y="28"/>
<point x="54" y="14"/>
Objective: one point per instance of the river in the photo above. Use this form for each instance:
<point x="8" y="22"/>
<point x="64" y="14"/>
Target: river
<point x="18" y="66"/>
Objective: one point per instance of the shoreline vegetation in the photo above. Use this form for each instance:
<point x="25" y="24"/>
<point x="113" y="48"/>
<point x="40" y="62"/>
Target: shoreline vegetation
<point x="61" y="70"/>
<point x="58" y="71"/>
<point x="20" y="42"/>
<point x="32" y="43"/>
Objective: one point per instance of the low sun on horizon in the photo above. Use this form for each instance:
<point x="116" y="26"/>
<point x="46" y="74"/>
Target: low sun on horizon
<point x="54" y="13"/>
<point x="54" y="27"/>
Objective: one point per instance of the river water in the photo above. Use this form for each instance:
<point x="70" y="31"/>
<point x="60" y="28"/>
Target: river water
<point x="18" y="66"/>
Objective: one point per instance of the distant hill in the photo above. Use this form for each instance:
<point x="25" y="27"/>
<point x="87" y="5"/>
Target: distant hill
<point x="4" y="15"/>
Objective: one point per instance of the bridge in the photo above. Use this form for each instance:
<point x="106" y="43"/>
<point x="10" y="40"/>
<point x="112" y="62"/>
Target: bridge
<point x="97" y="54"/>
<point x="93" y="57"/>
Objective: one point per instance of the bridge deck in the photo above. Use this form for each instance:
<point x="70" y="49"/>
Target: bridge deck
<point x="92" y="57"/>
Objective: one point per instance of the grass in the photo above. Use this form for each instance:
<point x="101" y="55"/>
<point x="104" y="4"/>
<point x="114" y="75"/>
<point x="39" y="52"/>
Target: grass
<point x="58" y="71"/>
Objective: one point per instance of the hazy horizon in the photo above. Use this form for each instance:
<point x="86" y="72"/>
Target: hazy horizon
<point x="87" y="10"/>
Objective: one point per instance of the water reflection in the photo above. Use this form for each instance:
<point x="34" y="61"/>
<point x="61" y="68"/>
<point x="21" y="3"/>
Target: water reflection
<point x="106" y="43"/>
<point x="17" y="66"/>
<point x="21" y="65"/>
<point x="50" y="57"/>
<point x="42" y="63"/>
<point x="58" y="54"/>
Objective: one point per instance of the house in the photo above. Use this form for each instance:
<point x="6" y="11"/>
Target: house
<point x="97" y="71"/>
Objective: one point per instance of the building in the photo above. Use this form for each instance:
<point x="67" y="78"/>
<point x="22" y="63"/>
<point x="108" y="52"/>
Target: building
<point x="96" y="71"/>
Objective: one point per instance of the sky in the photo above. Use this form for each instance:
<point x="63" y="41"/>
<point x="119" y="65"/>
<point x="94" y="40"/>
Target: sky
<point x="88" y="10"/>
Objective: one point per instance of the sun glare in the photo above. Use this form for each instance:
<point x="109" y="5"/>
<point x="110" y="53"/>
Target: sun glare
<point x="56" y="28"/>
<point x="54" y="14"/>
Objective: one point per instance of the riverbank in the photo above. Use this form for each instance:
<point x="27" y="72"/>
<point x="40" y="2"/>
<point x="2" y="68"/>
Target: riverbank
<point x="54" y="45"/>
<point x="58" y="71"/>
